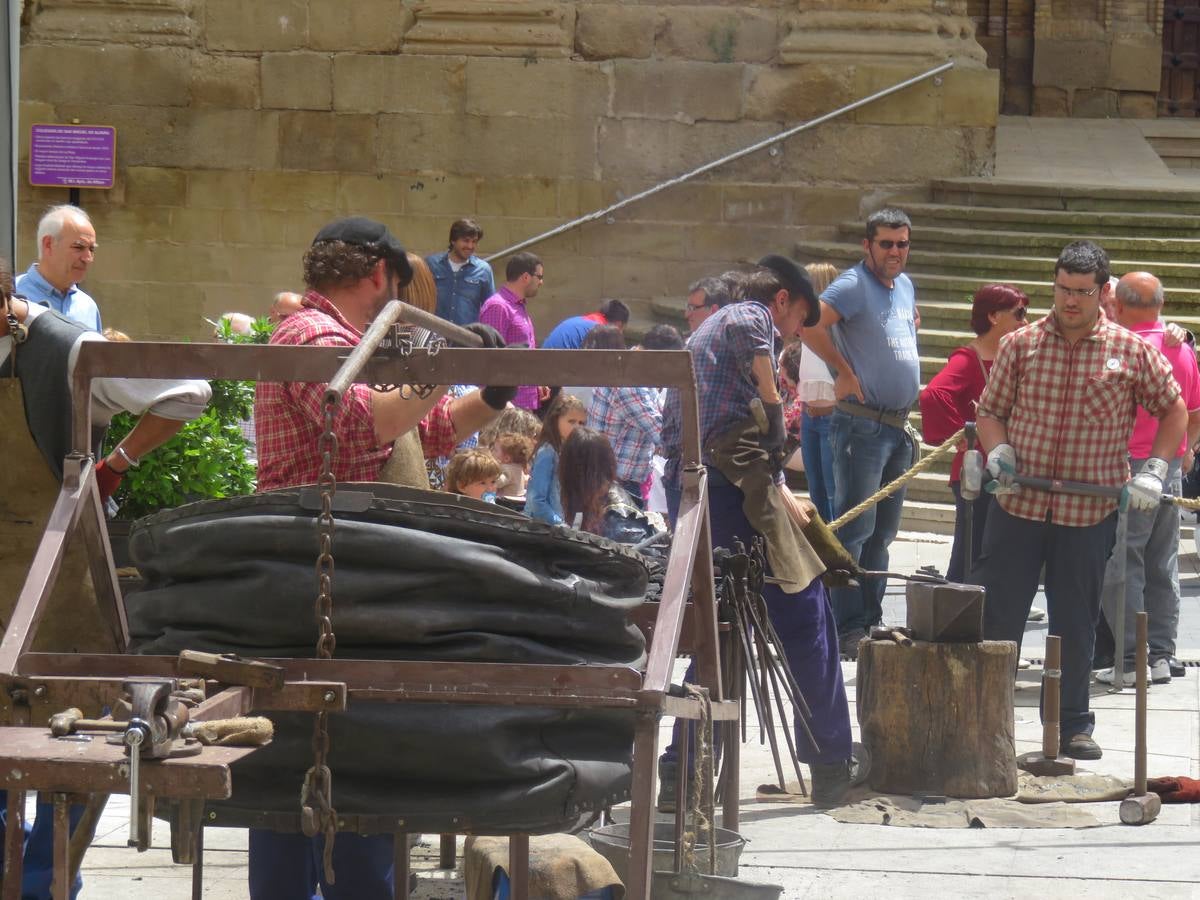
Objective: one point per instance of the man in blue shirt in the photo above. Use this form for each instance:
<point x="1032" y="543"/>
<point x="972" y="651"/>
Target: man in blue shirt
<point x="569" y="333"/>
<point x="463" y="280"/>
<point x="867" y="335"/>
<point x="66" y="250"/>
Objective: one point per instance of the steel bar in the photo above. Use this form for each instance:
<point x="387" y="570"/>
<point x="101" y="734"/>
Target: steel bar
<point x="1051" y="697"/>
<point x="401" y="865"/>
<point x="198" y="865"/>
<point x="518" y="866"/>
<point x="456" y="334"/>
<point x="785" y="727"/>
<point x="380" y="328"/>
<point x="716" y="163"/>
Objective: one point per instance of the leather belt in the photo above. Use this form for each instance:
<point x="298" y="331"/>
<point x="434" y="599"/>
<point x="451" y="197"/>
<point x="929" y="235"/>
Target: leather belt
<point x="815" y="412"/>
<point x="887" y="417"/>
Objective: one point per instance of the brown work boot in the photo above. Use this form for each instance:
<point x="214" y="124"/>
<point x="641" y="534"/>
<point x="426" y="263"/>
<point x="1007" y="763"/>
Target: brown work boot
<point x="830" y="784"/>
<point x="1081" y="746"/>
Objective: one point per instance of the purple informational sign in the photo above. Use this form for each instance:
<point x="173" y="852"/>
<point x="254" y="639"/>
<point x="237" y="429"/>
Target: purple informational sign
<point x="73" y="156"/>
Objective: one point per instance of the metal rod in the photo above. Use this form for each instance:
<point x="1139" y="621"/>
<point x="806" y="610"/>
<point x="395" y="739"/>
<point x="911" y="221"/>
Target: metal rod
<point x="1139" y="751"/>
<point x="716" y="163"/>
<point x="455" y="334"/>
<point x="198" y="865"/>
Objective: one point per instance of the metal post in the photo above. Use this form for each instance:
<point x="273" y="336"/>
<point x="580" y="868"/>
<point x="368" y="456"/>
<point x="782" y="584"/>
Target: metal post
<point x="1121" y="552"/>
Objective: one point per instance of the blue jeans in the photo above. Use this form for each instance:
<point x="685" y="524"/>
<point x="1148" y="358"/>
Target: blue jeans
<point x="1009" y="568"/>
<point x="1151" y="573"/>
<point x="39" y="849"/>
<point x="866" y="455"/>
<point x="289" y="866"/>
<point x="817" y="453"/>
<point x="806" y="629"/>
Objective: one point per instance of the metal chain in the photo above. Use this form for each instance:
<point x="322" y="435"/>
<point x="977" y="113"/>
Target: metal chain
<point x="407" y="339"/>
<point x="316" y="796"/>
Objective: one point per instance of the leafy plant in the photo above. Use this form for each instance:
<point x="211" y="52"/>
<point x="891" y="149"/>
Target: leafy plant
<point x="208" y="458"/>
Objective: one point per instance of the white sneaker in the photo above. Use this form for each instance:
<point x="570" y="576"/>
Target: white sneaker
<point x="1160" y="671"/>
<point x="1105" y="676"/>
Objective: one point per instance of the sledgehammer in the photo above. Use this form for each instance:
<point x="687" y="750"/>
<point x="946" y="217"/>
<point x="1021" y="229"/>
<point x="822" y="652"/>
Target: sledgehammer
<point x="1048" y="762"/>
<point x="1142" y="808"/>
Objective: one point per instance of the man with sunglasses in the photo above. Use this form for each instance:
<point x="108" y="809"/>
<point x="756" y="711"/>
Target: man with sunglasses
<point x="1060" y="403"/>
<point x="867" y="335"/>
<point x="66" y="250"/>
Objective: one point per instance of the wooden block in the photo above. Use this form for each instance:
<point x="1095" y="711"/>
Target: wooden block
<point x="938" y="718"/>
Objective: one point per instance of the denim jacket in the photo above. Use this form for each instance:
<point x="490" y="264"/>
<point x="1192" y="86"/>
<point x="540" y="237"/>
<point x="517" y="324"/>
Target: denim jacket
<point x="460" y="294"/>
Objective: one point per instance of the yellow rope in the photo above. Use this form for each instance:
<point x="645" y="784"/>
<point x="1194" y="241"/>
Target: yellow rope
<point x="947" y="446"/>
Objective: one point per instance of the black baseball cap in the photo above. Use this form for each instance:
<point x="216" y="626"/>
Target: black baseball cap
<point x="366" y="232"/>
<point x="793" y="277"/>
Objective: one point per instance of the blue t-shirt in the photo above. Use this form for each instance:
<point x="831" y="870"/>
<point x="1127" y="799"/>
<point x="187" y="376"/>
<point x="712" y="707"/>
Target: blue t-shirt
<point x="75" y="304"/>
<point x="569" y="333"/>
<point x="877" y="334"/>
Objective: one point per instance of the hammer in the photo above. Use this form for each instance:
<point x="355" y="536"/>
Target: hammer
<point x="70" y="721"/>
<point x="1142" y="808"/>
<point x="1048" y="761"/>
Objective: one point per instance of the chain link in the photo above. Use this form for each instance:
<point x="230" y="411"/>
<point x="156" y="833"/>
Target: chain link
<point x="406" y="339"/>
<point x="316" y="796"/>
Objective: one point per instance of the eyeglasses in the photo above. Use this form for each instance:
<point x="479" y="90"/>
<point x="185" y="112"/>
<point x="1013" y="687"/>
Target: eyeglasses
<point x="888" y="245"/>
<point x="81" y="247"/>
<point x="691" y="307"/>
<point x="1076" y="292"/>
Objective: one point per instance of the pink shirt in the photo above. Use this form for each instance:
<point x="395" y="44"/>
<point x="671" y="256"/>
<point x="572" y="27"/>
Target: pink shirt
<point x="1183" y="366"/>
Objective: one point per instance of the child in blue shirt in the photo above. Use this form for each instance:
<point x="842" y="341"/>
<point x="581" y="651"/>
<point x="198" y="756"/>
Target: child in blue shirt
<point x="542" y="494"/>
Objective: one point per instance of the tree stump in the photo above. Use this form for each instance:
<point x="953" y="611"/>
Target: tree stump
<point x="938" y="718"/>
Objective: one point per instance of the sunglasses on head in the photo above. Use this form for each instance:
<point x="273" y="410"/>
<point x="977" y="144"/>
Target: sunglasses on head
<point x="888" y="245"/>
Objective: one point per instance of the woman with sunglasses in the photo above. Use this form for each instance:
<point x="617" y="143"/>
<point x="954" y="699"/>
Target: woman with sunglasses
<point x="952" y="395"/>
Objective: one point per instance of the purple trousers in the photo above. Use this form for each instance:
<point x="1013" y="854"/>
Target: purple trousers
<point x="807" y="629"/>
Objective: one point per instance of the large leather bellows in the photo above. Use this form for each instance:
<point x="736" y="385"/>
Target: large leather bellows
<point x="419" y="576"/>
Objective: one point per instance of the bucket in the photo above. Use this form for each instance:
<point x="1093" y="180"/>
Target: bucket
<point x="612" y="842"/>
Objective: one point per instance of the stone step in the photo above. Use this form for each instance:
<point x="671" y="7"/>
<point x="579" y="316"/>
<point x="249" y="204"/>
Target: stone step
<point x="1043" y="244"/>
<point x="1051" y="220"/>
<point x="928" y="518"/>
<point x="990" y="267"/>
<point x="951" y="315"/>
<point x="963" y="288"/>
<point x="1167" y="198"/>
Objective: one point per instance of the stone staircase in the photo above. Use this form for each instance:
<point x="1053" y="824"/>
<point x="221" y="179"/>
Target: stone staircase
<point x="968" y="232"/>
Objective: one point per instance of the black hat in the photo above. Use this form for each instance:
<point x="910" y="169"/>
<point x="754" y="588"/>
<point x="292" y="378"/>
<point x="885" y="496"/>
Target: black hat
<point x="368" y="233"/>
<point x="797" y="283"/>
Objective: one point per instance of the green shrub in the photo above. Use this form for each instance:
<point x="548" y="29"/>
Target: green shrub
<point x="208" y="458"/>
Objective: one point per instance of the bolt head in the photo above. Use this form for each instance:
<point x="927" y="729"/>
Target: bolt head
<point x="330" y="696"/>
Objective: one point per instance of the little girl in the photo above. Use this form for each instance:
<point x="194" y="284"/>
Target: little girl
<point x="473" y="473"/>
<point x="542" y="494"/>
<point x="514" y="452"/>
<point x="588" y="477"/>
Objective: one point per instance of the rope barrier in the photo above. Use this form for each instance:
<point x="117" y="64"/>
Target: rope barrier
<point x="947" y="446"/>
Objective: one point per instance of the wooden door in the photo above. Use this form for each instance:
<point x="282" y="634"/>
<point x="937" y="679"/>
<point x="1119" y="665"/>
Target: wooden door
<point x="1179" y="93"/>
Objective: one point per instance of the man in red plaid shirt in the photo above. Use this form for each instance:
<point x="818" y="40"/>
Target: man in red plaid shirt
<point x="352" y="269"/>
<point x="1060" y="404"/>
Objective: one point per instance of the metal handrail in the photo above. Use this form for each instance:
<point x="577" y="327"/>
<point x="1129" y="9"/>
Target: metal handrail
<point x="709" y="166"/>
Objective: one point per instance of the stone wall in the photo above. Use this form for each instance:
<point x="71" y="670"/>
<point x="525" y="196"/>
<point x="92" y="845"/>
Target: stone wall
<point x="242" y="127"/>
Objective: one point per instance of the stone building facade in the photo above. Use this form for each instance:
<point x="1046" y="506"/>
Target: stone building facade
<point x="244" y="125"/>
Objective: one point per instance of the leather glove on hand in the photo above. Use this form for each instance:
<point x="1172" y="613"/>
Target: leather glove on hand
<point x="1002" y="466"/>
<point x="497" y="397"/>
<point x="107" y="480"/>
<point x="490" y="336"/>
<point x="1144" y="491"/>
<point x="776" y="434"/>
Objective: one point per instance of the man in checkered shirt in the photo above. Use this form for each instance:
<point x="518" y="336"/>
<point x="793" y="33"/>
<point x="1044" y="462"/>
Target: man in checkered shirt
<point x="1060" y="403"/>
<point x="352" y="269"/>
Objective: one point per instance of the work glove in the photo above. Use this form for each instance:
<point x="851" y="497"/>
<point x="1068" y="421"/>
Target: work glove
<point x="1175" y="789"/>
<point x="1144" y="491"/>
<point x="497" y="397"/>
<point x="772" y="440"/>
<point x="490" y="336"/>
<point x="1002" y="466"/>
<point x="107" y="480"/>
